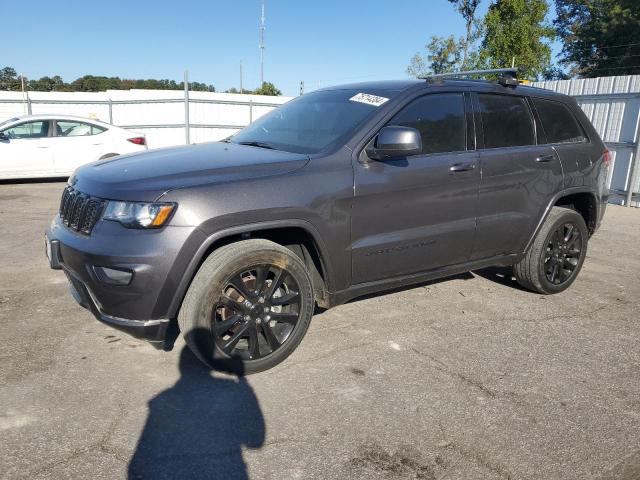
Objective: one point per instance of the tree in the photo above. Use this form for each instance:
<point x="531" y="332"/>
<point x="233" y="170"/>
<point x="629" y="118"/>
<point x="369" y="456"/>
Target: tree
<point x="9" y="79"/>
<point x="47" y="84"/>
<point x="467" y="8"/>
<point x="235" y="90"/>
<point x="90" y="83"/>
<point x="518" y="28"/>
<point x="267" y="88"/>
<point x="442" y="56"/>
<point x="446" y="54"/>
<point x="600" y="37"/>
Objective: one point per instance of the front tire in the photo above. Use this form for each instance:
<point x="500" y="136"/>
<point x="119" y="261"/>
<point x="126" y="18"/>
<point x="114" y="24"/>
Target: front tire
<point x="556" y="255"/>
<point x="248" y="307"/>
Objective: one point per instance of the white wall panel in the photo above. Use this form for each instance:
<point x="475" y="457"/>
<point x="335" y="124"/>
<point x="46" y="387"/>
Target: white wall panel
<point x="209" y="121"/>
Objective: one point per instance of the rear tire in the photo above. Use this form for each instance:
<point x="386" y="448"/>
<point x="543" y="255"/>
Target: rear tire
<point x="248" y="307"/>
<point x="554" y="259"/>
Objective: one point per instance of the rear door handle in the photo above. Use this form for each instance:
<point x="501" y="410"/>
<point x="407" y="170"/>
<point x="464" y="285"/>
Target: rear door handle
<point x="462" y="167"/>
<point x="545" y="158"/>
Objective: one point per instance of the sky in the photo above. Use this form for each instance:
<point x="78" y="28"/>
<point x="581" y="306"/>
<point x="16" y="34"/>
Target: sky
<point x="322" y="42"/>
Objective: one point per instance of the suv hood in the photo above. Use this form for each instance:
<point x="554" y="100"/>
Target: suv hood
<point x="147" y="175"/>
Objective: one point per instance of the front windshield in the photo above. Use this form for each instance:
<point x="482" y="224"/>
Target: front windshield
<point x="9" y="121"/>
<point x="312" y="122"/>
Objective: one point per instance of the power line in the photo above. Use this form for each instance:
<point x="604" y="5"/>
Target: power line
<point x="620" y="56"/>
<point x="618" y="46"/>
<point x="615" y="68"/>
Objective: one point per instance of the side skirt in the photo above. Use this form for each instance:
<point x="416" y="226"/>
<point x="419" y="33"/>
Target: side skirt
<point x="379" y="286"/>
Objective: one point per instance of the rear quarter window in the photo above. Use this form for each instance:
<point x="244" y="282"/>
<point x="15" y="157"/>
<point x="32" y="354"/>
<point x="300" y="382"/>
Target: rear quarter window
<point x="559" y="124"/>
<point x="506" y="121"/>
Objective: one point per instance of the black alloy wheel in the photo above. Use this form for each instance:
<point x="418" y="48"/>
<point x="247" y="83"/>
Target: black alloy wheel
<point x="556" y="254"/>
<point x="248" y="306"/>
<point x="258" y="309"/>
<point x="563" y="253"/>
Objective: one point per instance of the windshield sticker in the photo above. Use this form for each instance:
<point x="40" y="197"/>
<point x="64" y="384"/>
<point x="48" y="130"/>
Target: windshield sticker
<point x="369" y="99"/>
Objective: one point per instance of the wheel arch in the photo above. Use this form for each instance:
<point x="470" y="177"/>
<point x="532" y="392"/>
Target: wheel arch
<point x="588" y="208"/>
<point x="585" y="204"/>
<point x="297" y="235"/>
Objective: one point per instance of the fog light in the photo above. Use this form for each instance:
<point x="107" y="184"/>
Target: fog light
<point x="113" y="276"/>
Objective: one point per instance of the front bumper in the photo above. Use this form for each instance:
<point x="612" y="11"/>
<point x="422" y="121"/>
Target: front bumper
<point x="153" y="331"/>
<point x="137" y="308"/>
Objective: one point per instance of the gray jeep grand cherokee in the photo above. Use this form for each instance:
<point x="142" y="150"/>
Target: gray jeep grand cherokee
<point x="339" y="193"/>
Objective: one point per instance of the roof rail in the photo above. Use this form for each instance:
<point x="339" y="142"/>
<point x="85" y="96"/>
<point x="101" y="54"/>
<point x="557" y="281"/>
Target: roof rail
<point x="508" y="76"/>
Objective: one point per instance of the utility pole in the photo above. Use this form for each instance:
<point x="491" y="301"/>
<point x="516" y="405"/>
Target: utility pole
<point x="241" y="84"/>
<point x="187" y="123"/>
<point x="25" y="95"/>
<point x="261" y="46"/>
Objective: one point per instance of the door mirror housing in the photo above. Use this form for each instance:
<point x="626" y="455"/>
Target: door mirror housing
<point x="3" y="136"/>
<point x="395" y="141"/>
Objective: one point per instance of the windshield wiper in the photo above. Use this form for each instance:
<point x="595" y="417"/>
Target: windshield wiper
<point x="257" y="144"/>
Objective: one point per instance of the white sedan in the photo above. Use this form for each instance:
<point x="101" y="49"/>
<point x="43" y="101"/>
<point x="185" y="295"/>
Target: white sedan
<point x="55" y="145"/>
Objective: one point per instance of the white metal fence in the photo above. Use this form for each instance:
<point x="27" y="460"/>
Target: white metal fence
<point x="167" y="117"/>
<point x="613" y="106"/>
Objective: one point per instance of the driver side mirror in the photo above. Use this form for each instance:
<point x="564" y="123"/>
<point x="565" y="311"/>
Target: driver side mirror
<point x="3" y="136"/>
<point x="395" y="141"/>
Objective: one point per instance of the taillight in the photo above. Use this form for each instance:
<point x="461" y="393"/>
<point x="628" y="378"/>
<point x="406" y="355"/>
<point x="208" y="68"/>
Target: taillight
<point x="138" y="140"/>
<point x="606" y="158"/>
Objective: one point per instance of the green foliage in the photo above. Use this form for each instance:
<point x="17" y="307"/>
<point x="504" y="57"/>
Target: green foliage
<point x="90" y="83"/>
<point x="600" y="37"/>
<point x="467" y="8"/>
<point x="511" y="28"/>
<point x="442" y="56"/>
<point x="518" y="28"/>
<point x="267" y="88"/>
<point x="9" y="80"/>
<point x="235" y="90"/>
<point x="446" y="54"/>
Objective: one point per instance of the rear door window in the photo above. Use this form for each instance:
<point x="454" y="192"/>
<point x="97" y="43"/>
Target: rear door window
<point x="558" y="122"/>
<point x="67" y="128"/>
<point x="506" y="120"/>
<point x="439" y="118"/>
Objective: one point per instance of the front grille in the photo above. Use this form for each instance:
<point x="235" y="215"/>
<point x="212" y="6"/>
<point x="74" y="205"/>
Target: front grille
<point x="79" y="211"/>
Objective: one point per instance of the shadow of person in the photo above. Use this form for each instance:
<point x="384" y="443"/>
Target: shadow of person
<point x="197" y="428"/>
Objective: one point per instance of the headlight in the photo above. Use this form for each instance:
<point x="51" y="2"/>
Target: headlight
<point x="139" y="215"/>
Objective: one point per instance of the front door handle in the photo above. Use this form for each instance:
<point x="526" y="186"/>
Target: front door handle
<point x="545" y="158"/>
<point x="462" y="167"/>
